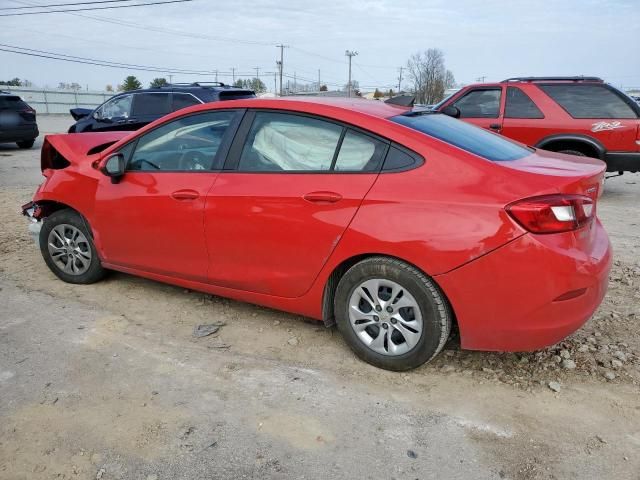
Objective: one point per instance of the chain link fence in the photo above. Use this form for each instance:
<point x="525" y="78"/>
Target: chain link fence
<point x="51" y="101"/>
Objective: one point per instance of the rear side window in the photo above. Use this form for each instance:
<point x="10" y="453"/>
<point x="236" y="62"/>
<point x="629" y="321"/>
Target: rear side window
<point x="12" y="103"/>
<point x="151" y="104"/>
<point x="589" y="101"/>
<point x="519" y="105"/>
<point x="484" y="103"/>
<point x="280" y="141"/>
<point x="359" y="153"/>
<point x="183" y="100"/>
<point x="465" y="136"/>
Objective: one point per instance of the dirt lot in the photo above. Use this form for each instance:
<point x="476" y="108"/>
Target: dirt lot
<point x="107" y="382"/>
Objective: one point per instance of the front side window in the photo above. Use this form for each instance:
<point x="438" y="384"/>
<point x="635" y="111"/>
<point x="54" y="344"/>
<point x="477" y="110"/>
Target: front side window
<point x="465" y="136"/>
<point x="285" y="142"/>
<point x="589" y="100"/>
<point x="484" y="103"/>
<point x="519" y="105"/>
<point x="119" y="107"/>
<point x="156" y="104"/>
<point x="186" y="144"/>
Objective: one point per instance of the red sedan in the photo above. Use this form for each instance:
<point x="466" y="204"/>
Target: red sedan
<point x="394" y="224"/>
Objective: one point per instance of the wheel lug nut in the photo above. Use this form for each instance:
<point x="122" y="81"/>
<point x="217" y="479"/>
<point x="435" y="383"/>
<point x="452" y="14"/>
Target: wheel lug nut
<point x="393" y="320"/>
<point x="376" y="318"/>
<point x="378" y="308"/>
<point x="389" y="309"/>
<point x="385" y="326"/>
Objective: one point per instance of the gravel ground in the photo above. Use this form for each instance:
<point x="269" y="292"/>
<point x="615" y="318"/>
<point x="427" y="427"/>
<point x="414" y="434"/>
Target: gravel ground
<point x="107" y="382"/>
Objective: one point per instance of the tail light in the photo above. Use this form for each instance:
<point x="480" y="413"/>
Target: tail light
<point x="553" y="213"/>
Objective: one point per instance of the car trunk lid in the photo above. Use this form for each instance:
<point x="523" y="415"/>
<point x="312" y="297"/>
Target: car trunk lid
<point x="566" y="173"/>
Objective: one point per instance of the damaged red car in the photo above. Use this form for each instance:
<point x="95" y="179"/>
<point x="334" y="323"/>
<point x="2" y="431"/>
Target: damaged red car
<point x="394" y="224"/>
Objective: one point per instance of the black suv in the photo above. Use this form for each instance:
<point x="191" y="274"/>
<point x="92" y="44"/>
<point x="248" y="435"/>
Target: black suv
<point x="135" y="109"/>
<point x="17" y="121"/>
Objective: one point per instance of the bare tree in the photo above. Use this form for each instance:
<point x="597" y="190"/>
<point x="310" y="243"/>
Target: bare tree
<point x="429" y="76"/>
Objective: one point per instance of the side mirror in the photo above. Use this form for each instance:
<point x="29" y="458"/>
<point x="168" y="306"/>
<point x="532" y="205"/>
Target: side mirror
<point x="451" y="111"/>
<point x="113" y="166"/>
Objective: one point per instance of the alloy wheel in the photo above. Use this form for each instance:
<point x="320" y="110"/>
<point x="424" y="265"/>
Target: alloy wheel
<point x="69" y="249"/>
<point x="385" y="317"/>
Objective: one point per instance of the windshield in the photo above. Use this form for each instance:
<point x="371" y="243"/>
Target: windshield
<point x="463" y="135"/>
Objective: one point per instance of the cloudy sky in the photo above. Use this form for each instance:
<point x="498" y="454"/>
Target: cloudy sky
<point x="490" y="38"/>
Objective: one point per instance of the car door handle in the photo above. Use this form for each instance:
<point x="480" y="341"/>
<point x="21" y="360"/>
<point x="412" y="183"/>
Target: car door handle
<point x="323" y="197"/>
<point x="185" y="195"/>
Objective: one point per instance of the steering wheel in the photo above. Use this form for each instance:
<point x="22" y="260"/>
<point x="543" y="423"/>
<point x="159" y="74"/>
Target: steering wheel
<point x="193" y="160"/>
<point x="151" y="164"/>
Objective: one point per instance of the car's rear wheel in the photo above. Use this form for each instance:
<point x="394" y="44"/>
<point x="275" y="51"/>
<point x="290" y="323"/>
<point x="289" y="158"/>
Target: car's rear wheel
<point x="26" y="143"/>
<point x="391" y="314"/>
<point x="68" y="250"/>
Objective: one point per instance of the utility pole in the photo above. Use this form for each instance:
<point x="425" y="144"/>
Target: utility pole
<point x="170" y="78"/>
<point x="257" y="69"/>
<point x="295" y="83"/>
<point x="481" y="79"/>
<point x="350" y="54"/>
<point x="216" y="75"/>
<point x="319" y="84"/>
<point x="233" y="75"/>
<point x="400" y="81"/>
<point x="281" y="62"/>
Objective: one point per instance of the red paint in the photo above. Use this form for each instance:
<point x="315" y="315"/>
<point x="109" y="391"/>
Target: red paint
<point x="274" y="239"/>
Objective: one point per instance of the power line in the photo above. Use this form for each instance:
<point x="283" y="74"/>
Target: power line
<point x="92" y="61"/>
<point x="163" y="2"/>
<point x="64" y="4"/>
<point x="164" y="30"/>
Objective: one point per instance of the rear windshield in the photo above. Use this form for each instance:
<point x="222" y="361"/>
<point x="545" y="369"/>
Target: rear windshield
<point x="589" y="101"/>
<point x="465" y="136"/>
<point x="12" y="103"/>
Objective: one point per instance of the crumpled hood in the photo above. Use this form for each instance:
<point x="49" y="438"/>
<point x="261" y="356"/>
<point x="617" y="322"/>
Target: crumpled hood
<point x="74" y="145"/>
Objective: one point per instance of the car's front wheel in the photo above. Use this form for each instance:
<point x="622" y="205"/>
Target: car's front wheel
<point x="391" y="314"/>
<point x="67" y="247"/>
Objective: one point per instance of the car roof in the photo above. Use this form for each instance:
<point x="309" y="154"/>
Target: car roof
<point x="374" y="108"/>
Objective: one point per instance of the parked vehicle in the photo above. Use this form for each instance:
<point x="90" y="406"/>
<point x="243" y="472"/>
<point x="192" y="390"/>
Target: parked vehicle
<point x="577" y="115"/>
<point x="394" y="224"/>
<point x="135" y="109"/>
<point x="17" y="121"/>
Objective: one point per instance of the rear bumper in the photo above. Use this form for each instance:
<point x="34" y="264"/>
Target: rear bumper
<point x="532" y="292"/>
<point x="19" y="133"/>
<point x="622" y="161"/>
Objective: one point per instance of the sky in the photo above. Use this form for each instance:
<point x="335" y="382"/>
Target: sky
<point x="491" y="39"/>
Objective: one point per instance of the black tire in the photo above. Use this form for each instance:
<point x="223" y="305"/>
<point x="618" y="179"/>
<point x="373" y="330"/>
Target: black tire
<point x="434" y="308"/>
<point x="573" y="152"/>
<point x="68" y="217"/>
<point x="26" y="143"/>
